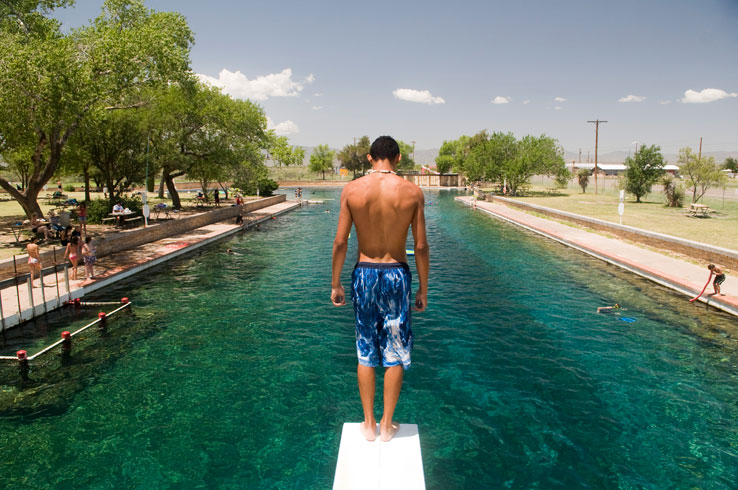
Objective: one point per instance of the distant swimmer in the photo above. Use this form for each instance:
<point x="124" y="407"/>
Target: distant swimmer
<point x="327" y="211"/>
<point x="719" y="279"/>
<point x="608" y="309"/>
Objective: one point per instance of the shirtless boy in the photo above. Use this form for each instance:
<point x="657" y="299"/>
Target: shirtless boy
<point x="382" y="206"/>
<point x="719" y="278"/>
<point x="34" y="259"/>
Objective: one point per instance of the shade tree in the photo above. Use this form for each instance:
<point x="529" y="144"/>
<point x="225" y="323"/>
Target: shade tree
<point x="643" y="170"/>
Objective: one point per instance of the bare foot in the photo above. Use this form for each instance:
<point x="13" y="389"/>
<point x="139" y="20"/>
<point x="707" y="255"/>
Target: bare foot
<point x="369" y="430"/>
<point x="387" y="433"/>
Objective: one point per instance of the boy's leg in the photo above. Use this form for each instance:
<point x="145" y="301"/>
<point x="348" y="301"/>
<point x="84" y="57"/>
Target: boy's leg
<point x="392" y="387"/>
<point x="367" y="387"/>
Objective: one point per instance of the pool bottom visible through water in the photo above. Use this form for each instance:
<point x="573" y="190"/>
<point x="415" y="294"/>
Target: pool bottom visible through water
<point x="235" y="371"/>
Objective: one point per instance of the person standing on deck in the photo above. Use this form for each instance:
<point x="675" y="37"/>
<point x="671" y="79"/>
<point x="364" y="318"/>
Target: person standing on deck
<point x="34" y="259"/>
<point x="382" y="206"/>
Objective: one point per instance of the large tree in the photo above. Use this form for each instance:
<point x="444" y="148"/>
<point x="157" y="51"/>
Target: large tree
<point x="643" y="171"/>
<point x="321" y="159"/>
<point x="452" y="154"/>
<point x="198" y="131"/>
<point x="731" y="164"/>
<point x="353" y="156"/>
<point x="51" y="81"/>
<point x="406" y="162"/>
<point x="283" y="153"/>
<point x="702" y="172"/>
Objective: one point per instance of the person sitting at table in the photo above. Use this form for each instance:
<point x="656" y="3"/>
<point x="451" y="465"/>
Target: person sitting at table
<point x="39" y="226"/>
<point x="55" y="223"/>
<point x="118" y="209"/>
<point x="77" y="232"/>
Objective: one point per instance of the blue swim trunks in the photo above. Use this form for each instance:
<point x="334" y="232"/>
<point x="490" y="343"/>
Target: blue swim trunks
<point x="381" y="296"/>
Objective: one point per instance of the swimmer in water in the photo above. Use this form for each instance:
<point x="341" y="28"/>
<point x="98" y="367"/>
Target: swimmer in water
<point x="608" y="309"/>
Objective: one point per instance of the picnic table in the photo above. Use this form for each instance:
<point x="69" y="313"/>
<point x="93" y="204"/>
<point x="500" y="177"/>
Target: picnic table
<point x="17" y="229"/>
<point x="122" y="218"/>
<point x="699" y="210"/>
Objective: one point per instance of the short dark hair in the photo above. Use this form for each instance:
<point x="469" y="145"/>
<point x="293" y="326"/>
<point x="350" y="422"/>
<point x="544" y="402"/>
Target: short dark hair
<point x="384" y="147"/>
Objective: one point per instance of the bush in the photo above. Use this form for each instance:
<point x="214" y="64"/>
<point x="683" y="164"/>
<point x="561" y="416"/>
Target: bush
<point x="69" y="188"/>
<point x="101" y="208"/>
<point x="583" y="178"/>
<point x="673" y="191"/>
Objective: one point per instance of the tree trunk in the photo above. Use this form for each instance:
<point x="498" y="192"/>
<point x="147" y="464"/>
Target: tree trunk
<point x="323" y="174"/>
<point x="169" y="180"/>
<point x="27" y="199"/>
<point x="161" y="187"/>
<point x="86" y="176"/>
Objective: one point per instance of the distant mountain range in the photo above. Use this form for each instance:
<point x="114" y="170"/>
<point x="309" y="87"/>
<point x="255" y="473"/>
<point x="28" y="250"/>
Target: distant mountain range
<point x="428" y="157"/>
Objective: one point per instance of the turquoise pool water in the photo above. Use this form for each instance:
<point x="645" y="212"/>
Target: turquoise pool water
<point x="234" y="371"/>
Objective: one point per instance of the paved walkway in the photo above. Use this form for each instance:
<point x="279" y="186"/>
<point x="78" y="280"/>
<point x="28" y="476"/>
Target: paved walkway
<point x="117" y="266"/>
<point x="677" y="274"/>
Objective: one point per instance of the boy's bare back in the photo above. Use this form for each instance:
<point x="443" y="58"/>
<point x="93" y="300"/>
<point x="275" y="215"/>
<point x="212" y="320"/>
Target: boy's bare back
<point x="382" y="207"/>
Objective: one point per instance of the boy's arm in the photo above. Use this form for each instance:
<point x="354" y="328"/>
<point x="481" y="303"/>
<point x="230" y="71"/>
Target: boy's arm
<point x="422" y="253"/>
<point x="340" y="246"/>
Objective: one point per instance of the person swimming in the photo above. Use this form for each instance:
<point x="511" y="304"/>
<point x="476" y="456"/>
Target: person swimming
<point x="608" y="309"/>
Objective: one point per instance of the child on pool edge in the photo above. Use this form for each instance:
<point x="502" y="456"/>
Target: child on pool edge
<point x="719" y="278"/>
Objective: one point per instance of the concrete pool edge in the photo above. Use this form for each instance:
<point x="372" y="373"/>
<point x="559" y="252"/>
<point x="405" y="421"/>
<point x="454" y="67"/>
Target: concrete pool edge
<point x="689" y="288"/>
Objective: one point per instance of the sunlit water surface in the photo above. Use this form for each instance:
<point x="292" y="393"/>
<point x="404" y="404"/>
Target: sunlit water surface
<point x="234" y="371"/>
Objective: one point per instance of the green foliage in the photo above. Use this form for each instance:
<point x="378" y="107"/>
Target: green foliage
<point x="673" y="191"/>
<point x="452" y="154"/>
<point x="51" y="81"/>
<point x="353" y="156"/>
<point x="643" y="171"/>
<point x="583" y="178"/>
<point x="283" y="153"/>
<point x="321" y="160"/>
<point x="731" y="164"/>
<point x="703" y="173"/>
<point x="69" y="188"/>
<point x="101" y="208"/>
<point x="499" y="157"/>
<point x="406" y="162"/>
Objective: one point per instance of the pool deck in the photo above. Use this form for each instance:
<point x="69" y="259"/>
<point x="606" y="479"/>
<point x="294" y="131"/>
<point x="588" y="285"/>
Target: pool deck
<point x="677" y="274"/>
<point x="118" y="266"/>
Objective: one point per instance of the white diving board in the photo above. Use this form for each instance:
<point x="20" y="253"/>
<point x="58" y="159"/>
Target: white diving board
<point x="377" y="465"/>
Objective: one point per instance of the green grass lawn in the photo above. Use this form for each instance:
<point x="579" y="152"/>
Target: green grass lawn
<point x="720" y="229"/>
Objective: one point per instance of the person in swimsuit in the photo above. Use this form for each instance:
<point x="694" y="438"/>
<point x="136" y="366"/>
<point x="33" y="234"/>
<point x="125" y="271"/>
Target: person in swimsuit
<point x="39" y="226"/>
<point x="72" y="252"/>
<point x="608" y="309"/>
<point x="82" y="216"/>
<point x="89" y="256"/>
<point x="34" y="259"/>
<point x="719" y="278"/>
<point x="382" y="206"/>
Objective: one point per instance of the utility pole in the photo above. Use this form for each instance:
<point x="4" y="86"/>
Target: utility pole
<point x="413" y="151"/>
<point x="597" y="138"/>
<point x="588" y="156"/>
<point x="580" y="155"/>
<point x="700" y="156"/>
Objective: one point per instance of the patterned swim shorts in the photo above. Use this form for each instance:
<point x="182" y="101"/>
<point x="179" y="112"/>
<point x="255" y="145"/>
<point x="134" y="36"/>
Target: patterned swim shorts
<point x="381" y="296"/>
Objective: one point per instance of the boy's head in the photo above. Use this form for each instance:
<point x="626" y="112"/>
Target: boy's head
<point x="385" y="148"/>
<point x="88" y="239"/>
<point x="711" y="266"/>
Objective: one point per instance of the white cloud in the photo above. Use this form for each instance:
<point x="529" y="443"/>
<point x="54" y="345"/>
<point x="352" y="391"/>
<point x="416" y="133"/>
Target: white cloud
<point x="262" y="87"/>
<point x="317" y="107"/>
<point x="526" y="102"/>
<point x="706" y="95"/>
<point x="420" y="96"/>
<point x="632" y="98"/>
<point x="317" y="94"/>
<point x="501" y="100"/>
<point x="557" y="108"/>
<point x="283" y="128"/>
<point x="664" y="102"/>
<point x="559" y="99"/>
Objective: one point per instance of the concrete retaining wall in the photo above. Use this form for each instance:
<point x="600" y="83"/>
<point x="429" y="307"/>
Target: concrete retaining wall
<point x="696" y="250"/>
<point x="125" y="240"/>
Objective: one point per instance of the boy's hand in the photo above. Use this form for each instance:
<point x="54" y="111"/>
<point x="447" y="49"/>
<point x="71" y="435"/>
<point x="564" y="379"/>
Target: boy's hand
<point x="421" y="301"/>
<point x="338" y="296"/>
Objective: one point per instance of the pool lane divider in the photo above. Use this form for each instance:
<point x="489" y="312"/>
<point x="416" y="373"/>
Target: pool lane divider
<point x="66" y="336"/>
<point x="639" y="269"/>
<point x="377" y="465"/>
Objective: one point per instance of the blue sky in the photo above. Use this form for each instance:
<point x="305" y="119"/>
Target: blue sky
<point x="326" y="72"/>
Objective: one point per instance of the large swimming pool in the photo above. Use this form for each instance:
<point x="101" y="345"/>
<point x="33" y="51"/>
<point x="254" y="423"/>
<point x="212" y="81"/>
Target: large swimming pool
<point x="235" y="371"/>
